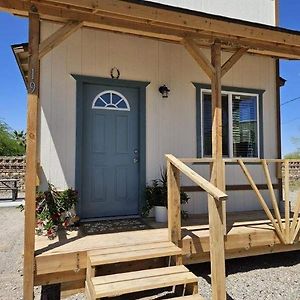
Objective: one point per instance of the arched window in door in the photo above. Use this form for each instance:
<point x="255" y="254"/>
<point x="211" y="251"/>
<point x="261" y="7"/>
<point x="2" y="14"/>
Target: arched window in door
<point x="111" y="100"/>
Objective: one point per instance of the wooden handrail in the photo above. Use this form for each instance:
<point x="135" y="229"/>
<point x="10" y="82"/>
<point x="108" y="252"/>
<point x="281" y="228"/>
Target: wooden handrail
<point x="286" y="231"/>
<point x="207" y="160"/>
<point x="197" y="160"/>
<point x="259" y="160"/>
<point x="196" y="178"/>
<point x="217" y="221"/>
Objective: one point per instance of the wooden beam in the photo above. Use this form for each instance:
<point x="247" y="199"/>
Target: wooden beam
<point x="229" y="187"/>
<point x="297" y="230"/>
<point x="262" y="202"/>
<point x="105" y="21"/>
<point x="58" y="37"/>
<point x="232" y="60"/>
<point x="59" y="277"/>
<point x="196" y="178"/>
<point x="31" y="154"/>
<point x="295" y="219"/>
<point x="216" y="102"/>
<point x="232" y="44"/>
<point x="287" y="198"/>
<point x="257" y="160"/>
<point x="272" y="193"/>
<point x="184" y="20"/>
<point x="133" y="23"/>
<point x="174" y="207"/>
<point x="224" y="203"/>
<point x="215" y="208"/>
<point x="199" y="57"/>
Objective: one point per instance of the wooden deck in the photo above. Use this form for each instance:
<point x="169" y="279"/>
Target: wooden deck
<point x="64" y="259"/>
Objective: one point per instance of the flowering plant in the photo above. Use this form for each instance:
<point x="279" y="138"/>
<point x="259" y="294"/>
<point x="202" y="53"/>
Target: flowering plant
<point x="55" y="209"/>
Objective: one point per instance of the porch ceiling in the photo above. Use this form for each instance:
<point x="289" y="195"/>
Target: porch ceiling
<point x="166" y="23"/>
<point x="21" y="54"/>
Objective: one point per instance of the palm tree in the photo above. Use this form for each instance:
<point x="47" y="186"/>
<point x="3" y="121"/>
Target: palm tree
<point x="20" y="137"/>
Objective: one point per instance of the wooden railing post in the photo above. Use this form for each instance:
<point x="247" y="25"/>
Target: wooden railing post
<point x="216" y="208"/>
<point x="31" y="153"/>
<point x="296" y="221"/>
<point x="287" y="198"/>
<point x="174" y="208"/>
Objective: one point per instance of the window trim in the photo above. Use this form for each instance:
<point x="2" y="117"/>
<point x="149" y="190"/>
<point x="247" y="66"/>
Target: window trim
<point x="226" y="90"/>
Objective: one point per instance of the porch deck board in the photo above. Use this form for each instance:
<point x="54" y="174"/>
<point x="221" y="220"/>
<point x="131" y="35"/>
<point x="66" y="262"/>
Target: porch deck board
<point x="251" y="235"/>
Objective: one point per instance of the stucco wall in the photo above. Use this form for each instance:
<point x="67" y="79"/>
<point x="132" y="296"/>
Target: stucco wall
<point x="258" y="11"/>
<point x="171" y="123"/>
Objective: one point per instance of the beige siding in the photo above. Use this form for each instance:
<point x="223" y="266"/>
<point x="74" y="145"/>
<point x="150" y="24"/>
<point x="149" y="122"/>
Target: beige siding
<point x="258" y="11"/>
<point x="171" y="123"/>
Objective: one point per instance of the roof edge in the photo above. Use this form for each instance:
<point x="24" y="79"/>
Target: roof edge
<point x="212" y="16"/>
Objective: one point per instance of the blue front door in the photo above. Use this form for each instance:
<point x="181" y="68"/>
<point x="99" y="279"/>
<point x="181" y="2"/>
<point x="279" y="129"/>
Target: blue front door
<point x="110" y="151"/>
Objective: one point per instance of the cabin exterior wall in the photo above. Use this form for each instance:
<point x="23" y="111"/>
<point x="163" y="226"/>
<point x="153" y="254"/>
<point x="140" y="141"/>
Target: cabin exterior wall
<point x="170" y="123"/>
<point x="258" y="11"/>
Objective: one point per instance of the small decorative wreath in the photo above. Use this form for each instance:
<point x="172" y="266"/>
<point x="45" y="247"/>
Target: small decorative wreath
<point x="115" y="73"/>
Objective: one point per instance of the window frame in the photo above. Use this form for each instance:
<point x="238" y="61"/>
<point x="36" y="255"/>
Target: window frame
<point x="202" y="89"/>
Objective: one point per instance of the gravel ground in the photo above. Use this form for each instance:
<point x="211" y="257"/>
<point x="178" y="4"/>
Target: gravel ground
<point x="11" y="236"/>
<point x="269" y="277"/>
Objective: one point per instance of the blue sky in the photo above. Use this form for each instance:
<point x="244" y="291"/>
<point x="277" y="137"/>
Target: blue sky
<point x="290" y="70"/>
<point x="13" y="30"/>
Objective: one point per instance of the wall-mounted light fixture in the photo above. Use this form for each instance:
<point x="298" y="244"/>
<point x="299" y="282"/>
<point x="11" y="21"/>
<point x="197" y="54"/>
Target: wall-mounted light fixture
<point x="164" y="90"/>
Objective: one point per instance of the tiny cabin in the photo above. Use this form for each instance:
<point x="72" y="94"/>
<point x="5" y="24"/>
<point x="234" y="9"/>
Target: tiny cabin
<point x="85" y="138"/>
<point x="119" y="90"/>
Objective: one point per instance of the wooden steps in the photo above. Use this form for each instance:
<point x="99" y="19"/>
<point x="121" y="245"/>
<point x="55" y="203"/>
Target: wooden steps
<point x="131" y="282"/>
<point x="132" y="253"/>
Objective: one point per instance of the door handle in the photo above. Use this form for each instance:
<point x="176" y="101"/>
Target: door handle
<point x="135" y="160"/>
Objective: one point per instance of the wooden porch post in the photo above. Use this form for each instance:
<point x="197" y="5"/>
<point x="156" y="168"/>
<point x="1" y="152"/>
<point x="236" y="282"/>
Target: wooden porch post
<point x="216" y="216"/>
<point x="174" y="208"/>
<point x="31" y="153"/>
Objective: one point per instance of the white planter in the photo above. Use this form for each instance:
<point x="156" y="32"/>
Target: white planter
<point x="161" y="214"/>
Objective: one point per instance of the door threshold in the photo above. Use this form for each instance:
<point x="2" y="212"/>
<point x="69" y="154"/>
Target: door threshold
<point x="110" y="218"/>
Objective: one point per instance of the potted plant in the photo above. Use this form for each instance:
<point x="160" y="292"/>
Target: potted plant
<point x="54" y="210"/>
<point x="156" y="196"/>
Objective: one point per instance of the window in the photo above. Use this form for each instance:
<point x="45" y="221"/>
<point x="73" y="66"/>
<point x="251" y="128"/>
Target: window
<point x="244" y="126"/>
<point x="111" y="100"/>
<point x="207" y="123"/>
<point x="242" y="131"/>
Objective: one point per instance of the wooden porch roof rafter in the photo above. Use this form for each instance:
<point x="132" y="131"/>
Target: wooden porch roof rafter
<point x="166" y="23"/>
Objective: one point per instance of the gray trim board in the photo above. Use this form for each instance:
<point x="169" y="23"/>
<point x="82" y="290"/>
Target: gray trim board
<point x="203" y="86"/>
<point x="141" y="86"/>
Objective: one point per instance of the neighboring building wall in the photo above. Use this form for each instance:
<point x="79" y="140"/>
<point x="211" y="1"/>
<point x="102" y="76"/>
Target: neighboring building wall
<point x="258" y="11"/>
<point x="13" y="167"/>
<point x="171" y="123"/>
